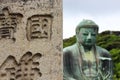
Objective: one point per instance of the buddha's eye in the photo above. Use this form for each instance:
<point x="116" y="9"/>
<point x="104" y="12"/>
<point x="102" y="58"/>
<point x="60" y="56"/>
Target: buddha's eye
<point x="93" y="34"/>
<point x="85" y="34"/>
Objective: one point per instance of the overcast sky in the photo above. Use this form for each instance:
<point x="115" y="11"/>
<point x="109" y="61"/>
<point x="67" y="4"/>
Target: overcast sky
<point x="105" y="13"/>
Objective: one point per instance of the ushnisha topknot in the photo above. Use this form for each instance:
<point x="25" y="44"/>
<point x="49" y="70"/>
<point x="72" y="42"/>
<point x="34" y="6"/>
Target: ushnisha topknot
<point x="86" y="23"/>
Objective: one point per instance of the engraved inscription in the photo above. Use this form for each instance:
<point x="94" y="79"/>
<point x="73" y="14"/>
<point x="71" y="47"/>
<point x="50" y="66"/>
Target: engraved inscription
<point x="46" y="4"/>
<point x="39" y="27"/>
<point x="41" y="4"/>
<point x="8" y="24"/>
<point x="26" y="69"/>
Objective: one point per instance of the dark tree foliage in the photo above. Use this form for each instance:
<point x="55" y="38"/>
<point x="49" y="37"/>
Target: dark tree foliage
<point x="109" y="40"/>
<point x="68" y="42"/>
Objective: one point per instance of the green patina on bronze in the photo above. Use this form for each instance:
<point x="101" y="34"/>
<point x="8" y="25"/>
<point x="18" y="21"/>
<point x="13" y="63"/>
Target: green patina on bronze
<point x="84" y="60"/>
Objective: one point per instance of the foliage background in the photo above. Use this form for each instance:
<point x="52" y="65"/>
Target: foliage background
<point x="109" y="40"/>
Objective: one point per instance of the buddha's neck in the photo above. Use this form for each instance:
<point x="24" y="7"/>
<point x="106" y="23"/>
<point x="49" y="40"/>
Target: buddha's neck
<point x="87" y="48"/>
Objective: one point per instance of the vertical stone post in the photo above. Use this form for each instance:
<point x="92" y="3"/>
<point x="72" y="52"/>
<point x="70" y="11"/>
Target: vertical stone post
<point x="31" y="40"/>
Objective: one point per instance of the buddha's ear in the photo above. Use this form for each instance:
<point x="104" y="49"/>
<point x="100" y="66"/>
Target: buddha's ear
<point x="77" y="38"/>
<point x="96" y="30"/>
<point x="77" y="33"/>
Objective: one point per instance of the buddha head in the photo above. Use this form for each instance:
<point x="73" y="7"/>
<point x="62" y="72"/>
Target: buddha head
<point x="86" y="33"/>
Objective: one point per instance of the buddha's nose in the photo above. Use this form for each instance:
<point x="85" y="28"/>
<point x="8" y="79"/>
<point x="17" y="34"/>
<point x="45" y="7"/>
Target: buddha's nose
<point x="89" y="36"/>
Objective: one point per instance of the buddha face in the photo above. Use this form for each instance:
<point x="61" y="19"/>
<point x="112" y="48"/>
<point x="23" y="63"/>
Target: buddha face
<point x="87" y="36"/>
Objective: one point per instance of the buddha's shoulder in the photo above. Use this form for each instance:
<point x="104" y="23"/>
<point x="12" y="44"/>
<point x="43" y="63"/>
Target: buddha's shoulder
<point x="71" y="48"/>
<point x="100" y="49"/>
<point x="103" y="51"/>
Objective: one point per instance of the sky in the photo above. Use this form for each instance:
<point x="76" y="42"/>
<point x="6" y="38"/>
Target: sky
<point x="105" y="13"/>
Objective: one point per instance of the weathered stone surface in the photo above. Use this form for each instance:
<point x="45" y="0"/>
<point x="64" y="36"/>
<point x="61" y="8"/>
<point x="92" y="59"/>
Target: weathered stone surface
<point x="31" y="40"/>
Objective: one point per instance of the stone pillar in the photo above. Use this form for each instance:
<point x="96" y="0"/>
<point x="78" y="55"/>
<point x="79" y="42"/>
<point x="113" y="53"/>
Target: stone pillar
<point x="30" y="40"/>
